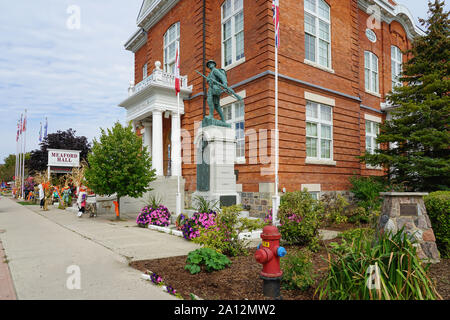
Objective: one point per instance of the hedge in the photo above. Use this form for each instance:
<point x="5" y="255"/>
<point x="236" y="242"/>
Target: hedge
<point x="438" y="209"/>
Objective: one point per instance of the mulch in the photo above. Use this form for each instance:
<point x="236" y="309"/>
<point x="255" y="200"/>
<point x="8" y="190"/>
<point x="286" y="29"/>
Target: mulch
<point x="241" y="280"/>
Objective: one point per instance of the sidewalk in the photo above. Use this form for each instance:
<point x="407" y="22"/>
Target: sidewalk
<point x="43" y="248"/>
<point x="7" y="291"/>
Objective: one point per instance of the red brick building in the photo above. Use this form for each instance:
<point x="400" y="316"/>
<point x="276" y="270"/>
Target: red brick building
<point x="337" y="61"/>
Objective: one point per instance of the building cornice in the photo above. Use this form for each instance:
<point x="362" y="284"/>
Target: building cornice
<point x="136" y="41"/>
<point x="390" y="13"/>
<point x="153" y="11"/>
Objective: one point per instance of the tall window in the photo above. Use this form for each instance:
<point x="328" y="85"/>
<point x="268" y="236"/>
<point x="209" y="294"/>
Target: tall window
<point x="396" y="66"/>
<point x="371" y="72"/>
<point x="319" y="131"/>
<point x="232" y="31"/>
<point x="170" y="42"/>
<point x="317" y="32"/>
<point x="372" y="131"/>
<point x="234" y="114"/>
<point x="144" y="72"/>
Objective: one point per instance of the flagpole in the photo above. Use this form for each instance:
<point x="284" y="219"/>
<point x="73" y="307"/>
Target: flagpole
<point x="24" y="149"/>
<point x="17" y="162"/>
<point x="276" y="198"/>
<point x="178" y="160"/>
<point x="177" y="130"/>
<point x="20" y="155"/>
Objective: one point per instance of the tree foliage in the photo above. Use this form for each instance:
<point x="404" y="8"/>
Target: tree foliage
<point x="418" y="132"/>
<point x="7" y="170"/>
<point x="66" y="140"/>
<point x="118" y="164"/>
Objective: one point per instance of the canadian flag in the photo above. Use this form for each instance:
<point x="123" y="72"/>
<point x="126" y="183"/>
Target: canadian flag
<point x="25" y="122"/>
<point x="177" y="70"/>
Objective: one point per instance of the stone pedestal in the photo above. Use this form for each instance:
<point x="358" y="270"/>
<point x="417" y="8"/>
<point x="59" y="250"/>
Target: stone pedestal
<point x="216" y="151"/>
<point x="407" y="210"/>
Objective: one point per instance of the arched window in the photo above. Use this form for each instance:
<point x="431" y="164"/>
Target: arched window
<point x="371" y="72"/>
<point x="232" y="32"/>
<point x="171" y="38"/>
<point x="396" y="66"/>
<point x="318" y="32"/>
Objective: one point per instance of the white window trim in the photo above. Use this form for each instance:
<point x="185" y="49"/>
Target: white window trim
<point x="311" y="187"/>
<point x="227" y="101"/>
<point x="319" y="160"/>
<point x="234" y="64"/>
<point x="317" y="18"/>
<point x="372" y="119"/>
<point x="394" y="60"/>
<point x="313" y="97"/>
<point x="318" y="66"/>
<point x="370" y="91"/>
<point x="234" y="12"/>
<point x="166" y="45"/>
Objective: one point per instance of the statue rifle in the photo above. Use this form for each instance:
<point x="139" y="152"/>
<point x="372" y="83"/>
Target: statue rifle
<point x="224" y="88"/>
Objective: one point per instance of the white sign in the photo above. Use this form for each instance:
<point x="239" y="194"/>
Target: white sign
<point x="63" y="158"/>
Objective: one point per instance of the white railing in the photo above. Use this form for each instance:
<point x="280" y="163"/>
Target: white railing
<point x="159" y="78"/>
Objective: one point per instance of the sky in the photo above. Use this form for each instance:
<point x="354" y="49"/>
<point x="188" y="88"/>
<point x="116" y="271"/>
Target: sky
<point x="65" y="60"/>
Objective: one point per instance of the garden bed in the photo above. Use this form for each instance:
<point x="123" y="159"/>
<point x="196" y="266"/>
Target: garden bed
<point x="238" y="282"/>
<point x="241" y="280"/>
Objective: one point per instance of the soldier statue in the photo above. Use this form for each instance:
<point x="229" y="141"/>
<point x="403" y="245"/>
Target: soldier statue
<point x="217" y="82"/>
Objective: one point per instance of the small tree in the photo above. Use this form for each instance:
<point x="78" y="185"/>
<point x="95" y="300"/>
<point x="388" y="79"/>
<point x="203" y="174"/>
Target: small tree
<point x="119" y="164"/>
<point x="418" y="133"/>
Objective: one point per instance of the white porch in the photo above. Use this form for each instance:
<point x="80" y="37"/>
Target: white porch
<point x="153" y="105"/>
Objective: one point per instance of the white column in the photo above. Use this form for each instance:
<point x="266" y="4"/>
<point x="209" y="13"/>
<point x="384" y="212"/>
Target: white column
<point x="176" y="145"/>
<point x="148" y="136"/>
<point x="157" y="142"/>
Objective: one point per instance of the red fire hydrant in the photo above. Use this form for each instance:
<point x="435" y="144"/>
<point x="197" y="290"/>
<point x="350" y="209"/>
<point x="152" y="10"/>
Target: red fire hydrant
<point x="269" y="254"/>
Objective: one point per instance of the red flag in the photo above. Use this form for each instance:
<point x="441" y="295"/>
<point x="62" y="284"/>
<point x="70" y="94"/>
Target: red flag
<point x="276" y="20"/>
<point x="177" y="71"/>
<point x="18" y="130"/>
<point x="24" y="123"/>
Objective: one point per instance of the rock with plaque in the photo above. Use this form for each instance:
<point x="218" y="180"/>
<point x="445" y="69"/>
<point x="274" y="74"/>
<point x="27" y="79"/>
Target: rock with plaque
<point x="407" y="210"/>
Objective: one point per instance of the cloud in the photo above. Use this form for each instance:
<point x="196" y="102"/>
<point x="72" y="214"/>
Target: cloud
<point x="76" y="77"/>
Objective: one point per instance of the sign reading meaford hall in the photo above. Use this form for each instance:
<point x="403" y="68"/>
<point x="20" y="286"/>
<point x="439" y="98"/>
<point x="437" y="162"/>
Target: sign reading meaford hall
<point x="63" y="158"/>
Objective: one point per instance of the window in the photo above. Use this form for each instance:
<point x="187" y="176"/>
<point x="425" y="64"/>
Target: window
<point x="232" y="31"/>
<point x="234" y="114"/>
<point x="315" y="195"/>
<point x="144" y="72"/>
<point x="372" y="131"/>
<point x="171" y="38"/>
<point x="396" y="66"/>
<point x="317" y="32"/>
<point x="319" y="131"/>
<point x="371" y="72"/>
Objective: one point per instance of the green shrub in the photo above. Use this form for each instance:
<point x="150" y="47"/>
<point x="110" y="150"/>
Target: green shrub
<point x="355" y="234"/>
<point x="367" y="191"/>
<point x="335" y="206"/>
<point x="300" y="220"/>
<point x="401" y="273"/>
<point x="297" y="270"/>
<point x="438" y="209"/>
<point x="209" y="258"/>
<point x="224" y="236"/>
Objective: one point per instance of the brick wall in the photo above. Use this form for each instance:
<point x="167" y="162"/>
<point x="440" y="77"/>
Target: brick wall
<point x="345" y="84"/>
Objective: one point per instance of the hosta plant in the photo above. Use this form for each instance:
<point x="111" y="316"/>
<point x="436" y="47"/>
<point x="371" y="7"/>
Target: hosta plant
<point x="209" y="259"/>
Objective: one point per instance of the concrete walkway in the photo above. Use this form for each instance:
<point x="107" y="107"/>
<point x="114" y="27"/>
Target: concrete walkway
<point x="50" y="253"/>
